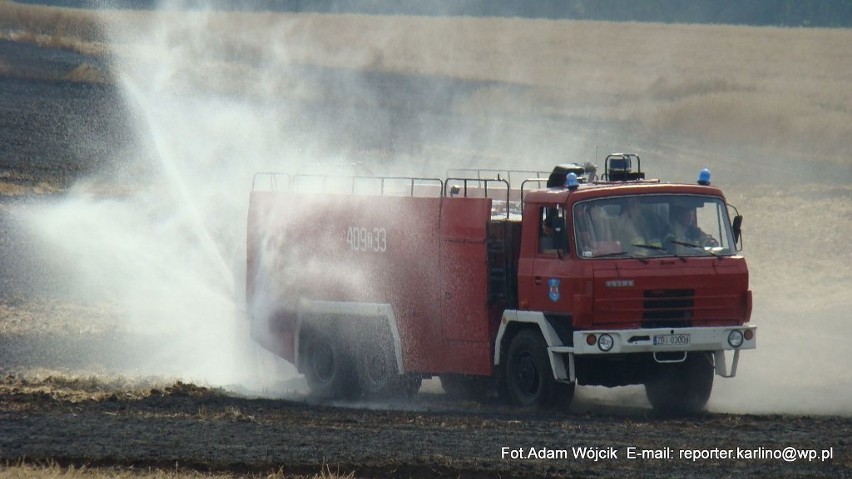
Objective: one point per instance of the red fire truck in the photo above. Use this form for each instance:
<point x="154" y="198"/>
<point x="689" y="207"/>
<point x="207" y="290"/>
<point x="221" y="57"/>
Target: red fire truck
<point x="370" y="284"/>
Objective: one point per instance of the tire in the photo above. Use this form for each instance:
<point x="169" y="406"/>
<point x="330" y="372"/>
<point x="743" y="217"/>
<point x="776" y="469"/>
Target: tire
<point x="377" y="370"/>
<point x="378" y="374"/>
<point x="682" y="388"/>
<point x="528" y="377"/>
<point x="327" y="367"/>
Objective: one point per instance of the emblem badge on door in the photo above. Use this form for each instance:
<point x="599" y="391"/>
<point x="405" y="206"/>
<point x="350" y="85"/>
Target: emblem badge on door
<point x="553" y="289"/>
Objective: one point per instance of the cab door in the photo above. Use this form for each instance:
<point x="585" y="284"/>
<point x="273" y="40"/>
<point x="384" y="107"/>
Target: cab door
<point x="543" y="267"/>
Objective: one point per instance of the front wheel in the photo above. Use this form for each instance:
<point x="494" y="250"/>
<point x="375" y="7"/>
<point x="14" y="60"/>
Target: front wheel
<point x="682" y="388"/>
<point x="528" y="377"/>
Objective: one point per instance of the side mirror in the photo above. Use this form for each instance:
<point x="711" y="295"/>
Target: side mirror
<point x="737" y="228"/>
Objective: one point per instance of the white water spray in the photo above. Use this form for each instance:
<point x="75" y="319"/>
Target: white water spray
<point x="169" y="246"/>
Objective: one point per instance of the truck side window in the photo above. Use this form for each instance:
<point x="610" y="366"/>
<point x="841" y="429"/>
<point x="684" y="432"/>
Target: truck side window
<point x="552" y="233"/>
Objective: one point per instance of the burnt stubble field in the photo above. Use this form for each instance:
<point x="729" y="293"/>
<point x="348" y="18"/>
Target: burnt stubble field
<point x="83" y="386"/>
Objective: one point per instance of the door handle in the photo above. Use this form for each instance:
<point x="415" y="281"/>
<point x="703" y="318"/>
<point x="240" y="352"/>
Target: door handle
<point x="538" y="280"/>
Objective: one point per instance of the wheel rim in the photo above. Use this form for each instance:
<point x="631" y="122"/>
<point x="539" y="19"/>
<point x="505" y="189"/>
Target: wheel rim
<point x="376" y="369"/>
<point x="527" y="376"/>
<point x="323" y="361"/>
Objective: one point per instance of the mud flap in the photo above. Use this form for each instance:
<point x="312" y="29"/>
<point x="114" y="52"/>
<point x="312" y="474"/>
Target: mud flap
<point x="722" y="366"/>
<point x="557" y="363"/>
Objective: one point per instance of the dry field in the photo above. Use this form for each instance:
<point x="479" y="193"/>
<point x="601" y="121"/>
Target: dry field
<point x="112" y="122"/>
<point x="723" y="90"/>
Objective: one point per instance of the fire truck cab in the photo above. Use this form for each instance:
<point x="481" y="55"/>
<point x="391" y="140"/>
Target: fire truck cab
<point x="526" y="290"/>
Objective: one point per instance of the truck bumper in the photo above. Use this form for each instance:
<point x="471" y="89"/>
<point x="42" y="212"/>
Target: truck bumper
<point x="665" y="340"/>
<point x="673" y="349"/>
<point x="668" y="345"/>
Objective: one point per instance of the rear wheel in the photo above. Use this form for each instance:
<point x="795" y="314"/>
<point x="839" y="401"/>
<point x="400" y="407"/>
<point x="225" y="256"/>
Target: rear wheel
<point x="528" y="376"/>
<point x="327" y="367"/>
<point x="378" y="374"/>
<point x="682" y="388"/>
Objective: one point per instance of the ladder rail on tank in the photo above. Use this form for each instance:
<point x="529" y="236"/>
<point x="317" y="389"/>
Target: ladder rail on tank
<point x="479" y="188"/>
<point x="512" y="176"/>
<point x="348" y="184"/>
<point x="372" y="185"/>
<point x="406" y="185"/>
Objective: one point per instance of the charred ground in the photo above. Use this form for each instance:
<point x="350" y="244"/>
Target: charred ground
<point x="79" y="422"/>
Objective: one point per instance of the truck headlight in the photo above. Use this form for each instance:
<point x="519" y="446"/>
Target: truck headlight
<point x="735" y="338"/>
<point x="605" y="342"/>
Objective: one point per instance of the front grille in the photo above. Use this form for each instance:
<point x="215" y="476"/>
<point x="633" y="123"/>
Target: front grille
<point x="664" y="308"/>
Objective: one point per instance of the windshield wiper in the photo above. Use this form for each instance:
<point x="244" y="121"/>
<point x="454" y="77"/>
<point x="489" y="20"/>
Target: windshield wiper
<point x="619" y="253"/>
<point x="607" y="255"/>
<point x="649" y="246"/>
<point x="695" y="247"/>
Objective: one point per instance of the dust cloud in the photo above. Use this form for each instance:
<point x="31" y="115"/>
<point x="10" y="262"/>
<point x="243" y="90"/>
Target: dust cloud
<point x="800" y="271"/>
<point x="216" y="100"/>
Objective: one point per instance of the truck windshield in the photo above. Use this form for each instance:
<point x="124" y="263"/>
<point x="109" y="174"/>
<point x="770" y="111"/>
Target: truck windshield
<point x="644" y="226"/>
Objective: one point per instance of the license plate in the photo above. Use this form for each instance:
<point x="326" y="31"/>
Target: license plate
<point x="671" y="340"/>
